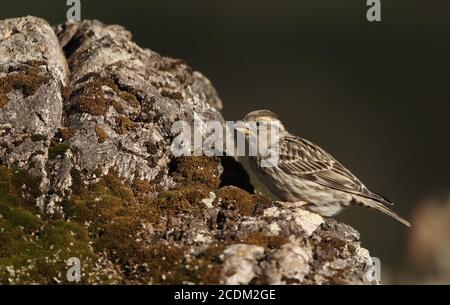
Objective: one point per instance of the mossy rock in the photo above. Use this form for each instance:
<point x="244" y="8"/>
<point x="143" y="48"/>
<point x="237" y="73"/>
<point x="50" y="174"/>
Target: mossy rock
<point x="57" y="150"/>
<point x="34" y="248"/>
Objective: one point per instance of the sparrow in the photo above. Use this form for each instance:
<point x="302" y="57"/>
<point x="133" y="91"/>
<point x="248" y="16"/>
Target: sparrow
<point x="305" y="173"/>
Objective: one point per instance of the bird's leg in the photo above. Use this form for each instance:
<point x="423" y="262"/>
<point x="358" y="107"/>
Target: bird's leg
<point x="291" y="204"/>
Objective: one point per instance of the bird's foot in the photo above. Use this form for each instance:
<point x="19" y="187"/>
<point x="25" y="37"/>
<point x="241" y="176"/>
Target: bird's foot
<point x="291" y="204"/>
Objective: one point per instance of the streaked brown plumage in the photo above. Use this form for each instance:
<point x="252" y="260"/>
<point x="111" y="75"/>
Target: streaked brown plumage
<point x="306" y="172"/>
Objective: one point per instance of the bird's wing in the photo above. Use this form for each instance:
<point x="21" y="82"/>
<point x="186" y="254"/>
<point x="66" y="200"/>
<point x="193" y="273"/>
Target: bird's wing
<point x="304" y="159"/>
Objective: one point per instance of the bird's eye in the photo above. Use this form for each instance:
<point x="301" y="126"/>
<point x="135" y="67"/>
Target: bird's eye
<point x="258" y="124"/>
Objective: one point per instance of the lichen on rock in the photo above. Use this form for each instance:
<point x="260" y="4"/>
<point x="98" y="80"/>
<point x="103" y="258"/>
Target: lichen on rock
<point x="86" y="171"/>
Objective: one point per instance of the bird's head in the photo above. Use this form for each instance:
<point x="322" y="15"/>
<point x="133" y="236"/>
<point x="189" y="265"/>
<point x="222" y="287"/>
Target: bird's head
<point x="255" y="121"/>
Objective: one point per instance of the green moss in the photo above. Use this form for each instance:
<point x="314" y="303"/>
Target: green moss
<point x="20" y="217"/>
<point x="241" y="201"/>
<point x="183" y="200"/>
<point x="143" y="186"/>
<point x="117" y="219"/>
<point x="111" y="208"/>
<point x="118" y="216"/>
<point x="167" y="264"/>
<point x="34" y="248"/>
<point x="77" y="182"/>
<point x="197" y="170"/>
<point x="20" y="183"/>
<point x="57" y="150"/>
<point x="38" y="137"/>
<point x="40" y="256"/>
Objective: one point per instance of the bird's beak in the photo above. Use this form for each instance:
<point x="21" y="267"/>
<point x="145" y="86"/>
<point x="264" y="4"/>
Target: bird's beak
<point x="242" y="127"/>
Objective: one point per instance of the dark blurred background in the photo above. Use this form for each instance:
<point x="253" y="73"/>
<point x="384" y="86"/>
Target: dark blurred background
<point x="376" y="95"/>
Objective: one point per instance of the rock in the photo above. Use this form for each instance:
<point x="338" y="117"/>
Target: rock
<point x="33" y="70"/>
<point x="290" y="263"/>
<point x="86" y="171"/>
<point x="123" y="100"/>
<point x="240" y="263"/>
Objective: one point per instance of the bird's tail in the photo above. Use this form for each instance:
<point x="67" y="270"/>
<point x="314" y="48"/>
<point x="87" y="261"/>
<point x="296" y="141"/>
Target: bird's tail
<point x="383" y="209"/>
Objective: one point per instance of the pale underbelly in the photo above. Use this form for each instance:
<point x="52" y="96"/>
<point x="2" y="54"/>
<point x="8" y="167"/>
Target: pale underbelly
<point x="319" y="199"/>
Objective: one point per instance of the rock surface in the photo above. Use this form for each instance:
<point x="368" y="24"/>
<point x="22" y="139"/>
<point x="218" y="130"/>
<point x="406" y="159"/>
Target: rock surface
<point x="86" y="171"/>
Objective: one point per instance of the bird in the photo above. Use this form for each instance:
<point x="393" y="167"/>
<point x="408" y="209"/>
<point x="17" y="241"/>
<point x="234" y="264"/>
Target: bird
<point x="305" y="173"/>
